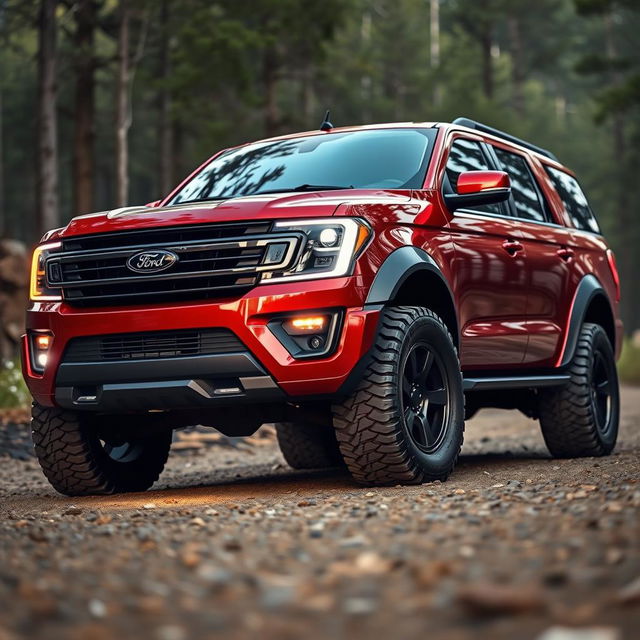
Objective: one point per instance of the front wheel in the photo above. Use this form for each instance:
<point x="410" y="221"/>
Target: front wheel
<point x="405" y="421"/>
<point x="77" y="461"/>
<point x="581" y="418"/>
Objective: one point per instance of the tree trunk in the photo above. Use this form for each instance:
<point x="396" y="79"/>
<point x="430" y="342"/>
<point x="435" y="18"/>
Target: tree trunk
<point x="3" y="217"/>
<point x="84" y="109"/>
<point x="486" y="42"/>
<point x="166" y="125"/>
<point x="122" y="108"/>
<point x="517" y="71"/>
<point x="177" y="136"/>
<point x="270" y="79"/>
<point x="624" y="218"/>
<point x="434" y="48"/>
<point x="47" y="210"/>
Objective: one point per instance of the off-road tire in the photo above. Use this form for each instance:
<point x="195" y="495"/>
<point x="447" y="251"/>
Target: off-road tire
<point x="569" y="418"/>
<point x="375" y="443"/>
<point x="308" y="446"/>
<point x="76" y="463"/>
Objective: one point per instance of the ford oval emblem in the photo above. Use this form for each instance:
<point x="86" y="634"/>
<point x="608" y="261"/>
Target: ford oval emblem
<point x="151" y="261"/>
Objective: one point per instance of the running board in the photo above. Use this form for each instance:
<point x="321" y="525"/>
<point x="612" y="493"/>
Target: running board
<point x="515" y="382"/>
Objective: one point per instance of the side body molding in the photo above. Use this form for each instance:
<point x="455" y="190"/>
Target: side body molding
<point x="587" y="290"/>
<point x="400" y="265"/>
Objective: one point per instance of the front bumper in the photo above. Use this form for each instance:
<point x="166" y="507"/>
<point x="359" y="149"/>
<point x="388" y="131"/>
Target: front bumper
<point x="266" y="372"/>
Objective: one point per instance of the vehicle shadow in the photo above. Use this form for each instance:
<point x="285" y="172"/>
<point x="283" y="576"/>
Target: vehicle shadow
<point x="239" y="484"/>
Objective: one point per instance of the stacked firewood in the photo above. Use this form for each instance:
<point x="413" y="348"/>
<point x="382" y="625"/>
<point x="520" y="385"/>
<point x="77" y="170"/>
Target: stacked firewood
<point x="14" y="293"/>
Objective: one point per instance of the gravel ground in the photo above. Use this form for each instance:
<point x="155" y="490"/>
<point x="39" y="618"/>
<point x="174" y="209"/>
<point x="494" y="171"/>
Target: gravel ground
<point x="232" y="543"/>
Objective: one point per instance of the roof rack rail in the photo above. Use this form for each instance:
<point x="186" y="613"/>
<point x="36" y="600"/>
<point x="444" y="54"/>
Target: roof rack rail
<point x="472" y="124"/>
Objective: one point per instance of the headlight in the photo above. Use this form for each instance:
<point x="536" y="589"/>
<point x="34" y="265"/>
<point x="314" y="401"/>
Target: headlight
<point x="38" y="289"/>
<point x="330" y="249"/>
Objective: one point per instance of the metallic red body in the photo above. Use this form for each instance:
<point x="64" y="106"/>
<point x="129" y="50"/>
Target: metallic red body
<point x="477" y="181"/>
<point x="513" y="281"/>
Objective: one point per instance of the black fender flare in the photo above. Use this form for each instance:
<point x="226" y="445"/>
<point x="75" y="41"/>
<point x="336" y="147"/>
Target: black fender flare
<point x="400" y="265"/>
<point x="588" y="288"/>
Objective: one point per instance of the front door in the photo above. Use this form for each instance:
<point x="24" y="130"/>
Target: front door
<point x="549" y="260"/>
<point x="489" y="271"/>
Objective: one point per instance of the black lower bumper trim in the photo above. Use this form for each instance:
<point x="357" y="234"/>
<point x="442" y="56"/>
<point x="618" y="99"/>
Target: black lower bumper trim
<point x="168" y="394"/>
<point x="167" y="383"/>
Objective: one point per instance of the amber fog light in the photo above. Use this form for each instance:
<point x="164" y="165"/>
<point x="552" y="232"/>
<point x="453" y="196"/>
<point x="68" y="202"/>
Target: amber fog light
<point x="41" y="342"/>
<point x="310" y="335"/>
<point x="304" y="325"/>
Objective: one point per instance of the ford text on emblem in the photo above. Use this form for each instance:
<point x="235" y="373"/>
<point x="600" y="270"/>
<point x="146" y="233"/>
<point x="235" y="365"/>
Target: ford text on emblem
<point x="152" y="261"/>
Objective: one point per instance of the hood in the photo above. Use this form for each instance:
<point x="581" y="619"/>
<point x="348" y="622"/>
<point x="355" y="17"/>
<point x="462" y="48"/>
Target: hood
<point x="267" y="206"/>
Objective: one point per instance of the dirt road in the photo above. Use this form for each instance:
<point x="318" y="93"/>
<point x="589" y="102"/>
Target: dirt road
<point x="233" y="544"/>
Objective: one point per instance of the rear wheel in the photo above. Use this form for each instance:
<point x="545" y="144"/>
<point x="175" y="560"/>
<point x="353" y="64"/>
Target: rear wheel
<point x="405" y="421"/>
<point x="308" y="446"/>
<point x="581" y="418"/>
<point x="78" y="461"/>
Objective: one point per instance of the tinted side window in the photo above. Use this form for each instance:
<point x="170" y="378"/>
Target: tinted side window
<point x="523" y="188"/>
<point x="575" y="202"/>
<point x="467" y="155"/>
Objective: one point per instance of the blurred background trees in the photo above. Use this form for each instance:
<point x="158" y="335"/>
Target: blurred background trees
<point x="111" y="102"/>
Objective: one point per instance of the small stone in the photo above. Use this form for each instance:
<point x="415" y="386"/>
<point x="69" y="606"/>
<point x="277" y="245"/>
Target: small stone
<point x="353" y="542"/>
<point x="556" y="578"/>
<point x="359" y="606"/>
<point x="149" y="505"/>
<point x="72" y="510"/>
<point x="630" y="594"/>
<point x="489" y="599"/>
<point x="214" y="575"/>
<point x="372" y="564"/>
<point x="97" y="608"/>
<point x="38" y="535"/>
<point x="145" y="533"/>
<point x="170" y="632"/>
<point x="569" y="633"/>
<point x="231" y="544"/>
<point x="614" y="556"/>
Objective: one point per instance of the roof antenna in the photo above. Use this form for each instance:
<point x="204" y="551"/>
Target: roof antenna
<point x="326" y="125"/>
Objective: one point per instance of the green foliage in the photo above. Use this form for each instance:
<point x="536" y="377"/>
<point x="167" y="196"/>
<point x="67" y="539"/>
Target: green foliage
<point x="13" y="392"/>
<point x="245" y="69"/>
<point x="629" y="363"/>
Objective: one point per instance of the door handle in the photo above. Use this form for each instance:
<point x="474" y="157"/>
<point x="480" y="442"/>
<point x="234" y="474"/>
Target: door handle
<point x="565" y="253"/>
<point x="512" y="247"/>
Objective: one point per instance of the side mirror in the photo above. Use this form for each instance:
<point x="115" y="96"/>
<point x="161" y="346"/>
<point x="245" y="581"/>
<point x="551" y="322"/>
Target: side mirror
<point x="479" y="187"/>
<point x="155" y="203"/>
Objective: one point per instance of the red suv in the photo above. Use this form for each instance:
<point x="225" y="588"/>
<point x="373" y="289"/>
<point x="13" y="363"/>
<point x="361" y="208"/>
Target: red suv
<point x="353" y="286"/>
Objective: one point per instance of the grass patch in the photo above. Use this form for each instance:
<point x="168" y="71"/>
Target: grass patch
<point x="13" y="391"/>
<point x="629" y="363"/>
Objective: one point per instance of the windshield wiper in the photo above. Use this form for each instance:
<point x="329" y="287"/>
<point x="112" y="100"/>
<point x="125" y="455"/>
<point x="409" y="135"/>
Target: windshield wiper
<point x="305" y="187"/>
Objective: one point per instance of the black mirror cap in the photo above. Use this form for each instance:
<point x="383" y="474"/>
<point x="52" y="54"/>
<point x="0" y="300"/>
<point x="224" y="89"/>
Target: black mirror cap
<point x="456" y="201"/>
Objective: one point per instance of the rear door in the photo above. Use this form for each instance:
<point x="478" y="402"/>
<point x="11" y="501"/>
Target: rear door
<point x="549" y="258"/>
<point x="489" y="270"/>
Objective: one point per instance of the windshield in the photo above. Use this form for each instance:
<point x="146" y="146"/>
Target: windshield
<point x="374" y="159"/>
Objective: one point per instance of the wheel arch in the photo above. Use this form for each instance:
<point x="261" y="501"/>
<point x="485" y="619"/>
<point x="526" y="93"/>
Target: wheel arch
<point x="590" y="304"/>
<point x="410" y="276"/>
